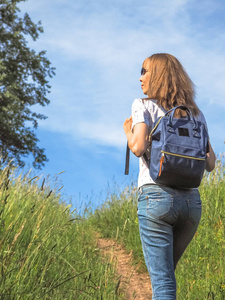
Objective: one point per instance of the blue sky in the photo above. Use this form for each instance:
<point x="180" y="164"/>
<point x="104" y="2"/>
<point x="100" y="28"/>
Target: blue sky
<point x="97" y="48"/>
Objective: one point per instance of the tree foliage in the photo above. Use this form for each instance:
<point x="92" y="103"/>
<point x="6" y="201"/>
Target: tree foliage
<point x="24" y="78"/>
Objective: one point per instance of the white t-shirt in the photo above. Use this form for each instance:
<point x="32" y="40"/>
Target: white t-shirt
<point x="147" y="111"/>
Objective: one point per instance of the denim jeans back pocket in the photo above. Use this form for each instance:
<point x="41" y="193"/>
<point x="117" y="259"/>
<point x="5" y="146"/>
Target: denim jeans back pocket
<point x="160" y="206"/>
<point x="195" y="210"/>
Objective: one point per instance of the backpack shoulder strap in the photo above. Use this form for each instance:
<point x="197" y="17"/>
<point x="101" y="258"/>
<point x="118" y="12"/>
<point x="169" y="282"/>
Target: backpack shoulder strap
<point x="146" y="157"/>
<point x="127" y="160"/>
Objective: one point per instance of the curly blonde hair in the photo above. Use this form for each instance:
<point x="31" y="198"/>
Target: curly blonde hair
<point x="169" y="83"/>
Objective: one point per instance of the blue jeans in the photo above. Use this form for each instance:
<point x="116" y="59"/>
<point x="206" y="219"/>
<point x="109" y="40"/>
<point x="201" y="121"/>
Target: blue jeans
<point x="168" y="219"/>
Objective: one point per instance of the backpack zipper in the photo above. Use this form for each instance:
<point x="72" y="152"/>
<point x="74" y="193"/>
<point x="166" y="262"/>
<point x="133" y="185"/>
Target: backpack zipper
<point x="179" y="155"/>
<point x="174" y="154"/>
<point x="161" y="162"/>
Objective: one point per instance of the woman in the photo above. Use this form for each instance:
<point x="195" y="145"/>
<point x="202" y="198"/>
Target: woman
<point x="168" y="217"/>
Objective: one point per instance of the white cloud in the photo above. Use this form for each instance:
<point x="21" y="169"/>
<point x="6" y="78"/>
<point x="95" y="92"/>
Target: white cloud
<point x="111" y="40"/>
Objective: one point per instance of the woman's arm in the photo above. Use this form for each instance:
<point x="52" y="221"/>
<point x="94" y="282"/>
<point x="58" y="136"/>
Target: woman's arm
<point x="211" y="159"/>
<point x="137" y="138"/>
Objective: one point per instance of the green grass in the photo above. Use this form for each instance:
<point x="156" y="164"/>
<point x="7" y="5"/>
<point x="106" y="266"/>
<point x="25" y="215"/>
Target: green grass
<point x="47" y="252"/>
<point x="201" y="271"/>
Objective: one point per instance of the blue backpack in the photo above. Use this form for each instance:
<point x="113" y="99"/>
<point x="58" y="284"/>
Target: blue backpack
<point x="177" y="150"/>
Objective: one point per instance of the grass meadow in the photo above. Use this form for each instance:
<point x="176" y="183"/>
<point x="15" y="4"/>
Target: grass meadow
<point x="48" y="251"/>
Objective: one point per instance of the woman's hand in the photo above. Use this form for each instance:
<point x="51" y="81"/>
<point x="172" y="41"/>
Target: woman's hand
<point x="210" y="159"/>
<point x="127" y="125"/>
<point x="137" y="137"/>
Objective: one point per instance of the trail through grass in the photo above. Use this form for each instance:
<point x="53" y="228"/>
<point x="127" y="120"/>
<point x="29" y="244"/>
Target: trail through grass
<point x="49" y="252"/>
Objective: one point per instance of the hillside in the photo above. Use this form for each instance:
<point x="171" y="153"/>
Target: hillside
<point x="50" y="252"/>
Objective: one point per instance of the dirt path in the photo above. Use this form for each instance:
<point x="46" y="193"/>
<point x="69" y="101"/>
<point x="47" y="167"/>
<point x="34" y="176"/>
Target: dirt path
<point x="135" y="285"/>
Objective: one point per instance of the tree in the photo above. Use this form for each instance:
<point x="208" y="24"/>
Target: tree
<point x="23" y="83"/>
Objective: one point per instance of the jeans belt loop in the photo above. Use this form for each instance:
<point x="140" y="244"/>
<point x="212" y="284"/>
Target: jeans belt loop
<point x="140" y="189"/>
